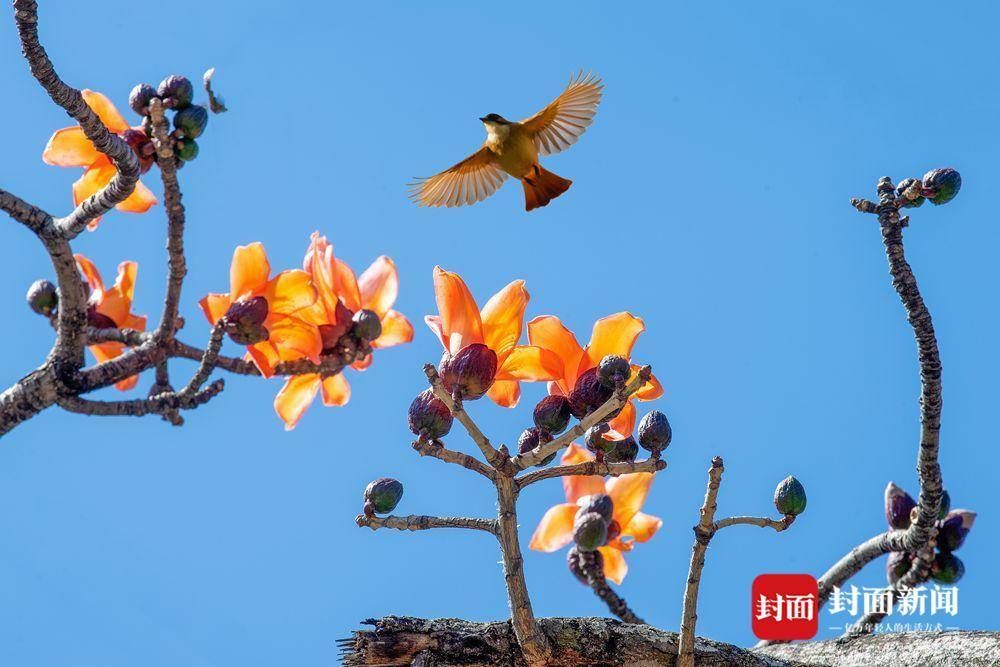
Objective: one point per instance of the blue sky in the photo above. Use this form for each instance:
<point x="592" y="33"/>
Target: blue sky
<point x="710" y="197"/>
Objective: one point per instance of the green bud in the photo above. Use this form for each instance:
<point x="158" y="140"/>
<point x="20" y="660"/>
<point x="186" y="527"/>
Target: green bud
<point x="942" y="185"/>
<point x="187" y="149"/>
<point x="191" y="121"/>
<point x="947" y="568"/>
<point x="383" y="494"/>
<point x="590" y="530"/>
<point x="790" y="497"/>
<point x="903" y="186"/>
<point x="42" y="297"/>
<point x="367" y="325"/>
<point x="945" y="505"/>
<point x="600" y="503"/>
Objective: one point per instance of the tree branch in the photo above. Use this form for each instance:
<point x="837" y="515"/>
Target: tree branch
<point x="437" y="450"/>
<point x="760" y="521"/>
<point x="596" y="580"/>
<point x="592" y="468"/>
<point x="423" y="522"/>
<point x="27" y="214"/>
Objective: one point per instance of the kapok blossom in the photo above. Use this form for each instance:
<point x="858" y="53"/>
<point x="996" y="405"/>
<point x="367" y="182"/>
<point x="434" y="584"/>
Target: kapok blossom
<point x="615" y="334"/>
<point x="627" y="492"/>
<point x="111" y="308"/>
<point x="268" y="305"/>
<point x="339" y="296"/>
<point x="498" y="326"/>
<point x="70" y="147"/>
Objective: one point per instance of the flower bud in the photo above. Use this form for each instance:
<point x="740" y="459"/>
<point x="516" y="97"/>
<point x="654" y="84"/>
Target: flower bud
<point x="613" y="371"/>
<point x="140" y="97"/>
<point x="600" y="503"/>
<point x="596" y="442"/>
<point x="945" y="505"/>
<point x="954" y="529"/>
<point x="552" y="414"/>
<point x="941" y="185"/>
<point x="573" y="560"/>
<point x="429" y="416"/>
<point x="590" y="530"/>
<point x="191" y="121"/>
<point x="897" y="565"/>
<point x="187" y="149"/>
<point x="898" y="505"/>
<point x="625" y="451"/>
<point x="178" y="88"/>
<point x="383" y="494"/>
<point x="42" y="297"/>
<point x="331" y="333"/>
<point x="470" y="372"/>
<point x="790" y="497"/>
<point x="367" y="325"/>
<point x="655" y="432"/>
<point x="99" y="320"/>
<point x="142" y="146"/>
<point x="244" y="321"/>
<point x="531" y="438"/>
<point x="947" y="568"/>
<point x="903" y="186"/>
<point x="588" y="394"/>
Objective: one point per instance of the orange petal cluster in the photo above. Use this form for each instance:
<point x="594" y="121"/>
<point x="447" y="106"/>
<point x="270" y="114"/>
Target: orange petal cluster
<point x="498" y="325"/>
<point x="111" y="308"/>
<point x="627" y="492"/>
<point x="615" y="334"/>
<point x="70" y="147"/>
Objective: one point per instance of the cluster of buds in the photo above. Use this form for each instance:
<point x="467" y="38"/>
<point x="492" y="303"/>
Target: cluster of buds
<point x="381" y="496"/>
<point x="938" y="185"/>
<point x="952" y="528"/>
<point x="593" y="527"/>
<point x="175" y="92"/>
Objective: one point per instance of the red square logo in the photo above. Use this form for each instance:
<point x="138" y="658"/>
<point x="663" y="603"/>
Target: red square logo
<point x="783" y="606"/>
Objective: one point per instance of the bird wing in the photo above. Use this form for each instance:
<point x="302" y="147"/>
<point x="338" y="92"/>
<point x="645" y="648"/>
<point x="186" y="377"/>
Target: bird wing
<point x="560" y="124"/>
<point x="473" y="179"/>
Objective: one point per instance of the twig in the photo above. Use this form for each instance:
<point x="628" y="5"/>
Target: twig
<point x="493" y="456"/>
<point x="760" y="521"/>
<point x="207" y="364"/>
<point x="596" y="580"/>
<point x="703" y="533"/>
<point x="544" y="450"/>
<point x="437" y="450"/>
<point x="27" y="214"/>
<point x="592" y="468"/>
<point x="423" y="522"/>
<point x="144" y="406"/>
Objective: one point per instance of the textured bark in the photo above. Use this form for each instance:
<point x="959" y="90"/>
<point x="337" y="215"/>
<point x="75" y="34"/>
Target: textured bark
<point x="957" y="649"/>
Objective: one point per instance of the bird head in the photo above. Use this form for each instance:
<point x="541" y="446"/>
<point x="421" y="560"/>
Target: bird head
<point x="494" y="119"/>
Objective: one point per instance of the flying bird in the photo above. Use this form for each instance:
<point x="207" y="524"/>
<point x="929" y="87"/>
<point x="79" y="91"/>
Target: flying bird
<point x="513" y="148"/>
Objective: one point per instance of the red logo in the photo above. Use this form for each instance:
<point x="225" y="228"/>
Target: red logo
<point x="783" y="606"/>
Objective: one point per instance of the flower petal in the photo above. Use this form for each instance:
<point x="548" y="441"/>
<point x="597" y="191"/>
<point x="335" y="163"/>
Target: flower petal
<point x="288" y="292"/>
<point x="94" y="179"/>
<point x="642" y="527"/>
<point x="460" y="322"/>
<point x="505" y="393"/>
<point x="140" y="201"/>
<point x="105" y="110"/>
<point x="70" y="147"/>
<point x="530" y="363"/>
<point x="117" y="301"/>
<point x="295" y="398"/>
<point x="502" y="318"/>
<point x="628" y="492"/>
<point x="336" y="390"/>
<point x="379" y="286"/>
<point x="319" y="263"/>
<point x="433" y="323"/>
<point x="249" y="271"/>
<point x="108" y="351"/>
<point x="91" y="275"/>
<point x="396" y="330"/>
<point x="215" y="306"/>
<point x="614" y="334"/>
<point x="549" y="333"/>
<point x="555" y="530"/>
<point x="265" y="357"/>
<point x="363" y="363"/>
<point x="295" y="339"/>
<point x="347" y="286"/>
<point x="649" y="391"/>
<point x="578" y="486"/>
<point x="615" y="567"/>
<point x="623" y="424"/>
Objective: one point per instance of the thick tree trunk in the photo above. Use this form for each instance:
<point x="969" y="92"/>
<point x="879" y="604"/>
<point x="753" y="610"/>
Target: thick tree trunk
<point x="602" y="641"/>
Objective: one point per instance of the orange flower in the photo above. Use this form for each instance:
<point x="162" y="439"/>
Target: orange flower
<point x="70" y="147"/>
<point x="340" y="295"/>
<point x="278" y="298"/>
<point x="615" y="334"/>
<point x="627" y="492"/>
<point x="111" y="308"/>
<point x="498" y="326"/>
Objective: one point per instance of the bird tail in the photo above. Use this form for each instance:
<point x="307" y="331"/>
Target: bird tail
<point x="542" y="186"/>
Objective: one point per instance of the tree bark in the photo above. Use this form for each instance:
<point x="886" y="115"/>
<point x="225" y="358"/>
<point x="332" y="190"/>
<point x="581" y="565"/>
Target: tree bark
<point x="602" y="641"/>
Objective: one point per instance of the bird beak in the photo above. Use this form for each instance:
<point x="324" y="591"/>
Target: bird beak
<point x="483" y="119"/>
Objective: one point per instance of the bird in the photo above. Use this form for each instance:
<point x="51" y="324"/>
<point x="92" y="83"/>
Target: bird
<point x="513" y="148"/>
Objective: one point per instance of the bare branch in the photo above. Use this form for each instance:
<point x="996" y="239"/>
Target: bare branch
<point x="602" y="468"/>
<point x="544" y="450"/>
<point x="27" y="214"/>
<point x="70" y="99"/>
<point x="158" y="404"/>
<point x="596" y="580"/>
<point x="423" y="522"/>
<point x="760" y="521"/>
<point x="437" y="450"/>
